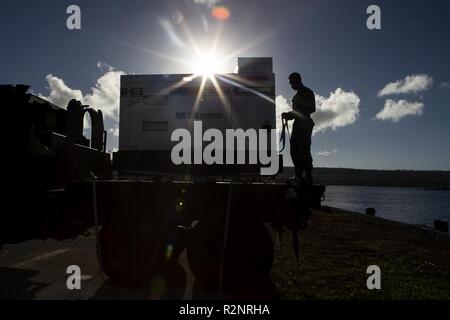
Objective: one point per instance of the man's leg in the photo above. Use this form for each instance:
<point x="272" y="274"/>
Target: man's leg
<point x="295" y="151"/>
<point x="299" y="170"/>
<point x="308" y="165"/>
<point x="308" y="177"/>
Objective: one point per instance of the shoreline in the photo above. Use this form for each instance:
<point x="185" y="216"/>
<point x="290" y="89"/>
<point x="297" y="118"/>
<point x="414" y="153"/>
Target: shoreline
<point x="378" y="178"/>
<point x="432" y="188"/>
<point x="434" y="202"/>
<point x="331" y="209"/>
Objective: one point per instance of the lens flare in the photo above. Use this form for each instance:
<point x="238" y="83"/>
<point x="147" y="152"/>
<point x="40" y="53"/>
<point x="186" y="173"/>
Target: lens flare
<point x="169" y="252"/>
<point x="221" y="13"/>
<point x="178" y="17"/>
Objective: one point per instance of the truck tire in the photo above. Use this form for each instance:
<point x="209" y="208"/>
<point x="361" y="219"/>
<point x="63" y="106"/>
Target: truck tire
<point x="249" y="251"/>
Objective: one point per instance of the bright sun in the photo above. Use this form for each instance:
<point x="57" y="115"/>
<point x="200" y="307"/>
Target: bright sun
<point x="206" y="66"/>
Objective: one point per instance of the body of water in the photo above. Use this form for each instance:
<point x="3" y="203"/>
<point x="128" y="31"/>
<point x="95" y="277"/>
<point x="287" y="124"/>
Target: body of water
<point x="408" y="205"/>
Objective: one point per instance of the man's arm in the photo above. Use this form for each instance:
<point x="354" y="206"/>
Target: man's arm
<point x="288" y="116"/>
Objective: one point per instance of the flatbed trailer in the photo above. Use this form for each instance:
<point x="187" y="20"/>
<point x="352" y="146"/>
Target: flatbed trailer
<point x="221" y="223"/>
<point x="144" y="221"/>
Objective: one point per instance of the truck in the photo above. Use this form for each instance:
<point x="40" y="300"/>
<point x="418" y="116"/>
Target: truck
<point x="146" y="210"/>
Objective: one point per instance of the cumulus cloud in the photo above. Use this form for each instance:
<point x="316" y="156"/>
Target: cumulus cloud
<point x="114" y="131"/>
<point x="395" y="110"/>
<point x="209" y="3"/>
<point x="339" y="109"/>
<point x="104" y="95"/>
<point x="326" y="153"/>
<point x="411" y="84"/>
<point x="60" y="93"/>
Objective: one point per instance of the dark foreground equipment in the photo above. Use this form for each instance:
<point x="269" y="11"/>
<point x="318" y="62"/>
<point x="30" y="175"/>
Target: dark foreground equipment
<point x="46" y="153"/>
<point x="222" y="225"/>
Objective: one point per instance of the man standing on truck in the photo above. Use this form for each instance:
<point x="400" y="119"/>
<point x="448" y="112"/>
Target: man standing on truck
<point x="303" y="105"/>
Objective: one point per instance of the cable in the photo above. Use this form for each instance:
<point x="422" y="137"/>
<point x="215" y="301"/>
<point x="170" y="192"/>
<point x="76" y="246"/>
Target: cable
<point x="283" y="134"/>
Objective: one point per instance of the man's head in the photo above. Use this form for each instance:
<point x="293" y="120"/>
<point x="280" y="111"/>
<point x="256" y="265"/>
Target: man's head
<point x="295" y="80"/>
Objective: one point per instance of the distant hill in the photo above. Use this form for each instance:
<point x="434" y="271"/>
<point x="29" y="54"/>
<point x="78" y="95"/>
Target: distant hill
<point x="398" y="178"/>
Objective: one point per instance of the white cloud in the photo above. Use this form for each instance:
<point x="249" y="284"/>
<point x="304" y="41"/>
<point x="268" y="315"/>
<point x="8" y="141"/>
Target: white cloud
<point x="326" y="153"/>
<point x="60" y="93"/>
<point x="340" y="109"/>
<point x="114" y="131"/>
<point x="411" y="84"/>
<point x="395" y="110"/>
<point x="209" y="3"/>
<point x="104" y="95"/>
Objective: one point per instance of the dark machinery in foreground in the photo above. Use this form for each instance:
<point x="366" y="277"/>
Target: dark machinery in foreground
<point x="47" y="153"/>
<point x="62" y="181"/>
<point x="223" y="225"/>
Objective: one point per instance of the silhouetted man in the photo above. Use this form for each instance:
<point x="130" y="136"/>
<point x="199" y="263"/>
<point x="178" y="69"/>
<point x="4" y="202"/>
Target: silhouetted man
<point x="303" y="105"/>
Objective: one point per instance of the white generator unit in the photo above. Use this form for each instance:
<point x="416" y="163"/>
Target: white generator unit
<point x="153" y="106"/>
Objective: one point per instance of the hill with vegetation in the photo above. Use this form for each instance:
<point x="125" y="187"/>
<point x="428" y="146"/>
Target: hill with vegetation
<point x="397" y="178"/>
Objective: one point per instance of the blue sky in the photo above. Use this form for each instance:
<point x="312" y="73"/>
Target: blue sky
<point x="326" y="41"/>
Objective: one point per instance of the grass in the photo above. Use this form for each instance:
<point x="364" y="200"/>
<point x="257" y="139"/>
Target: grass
<point x="337" y="248"/>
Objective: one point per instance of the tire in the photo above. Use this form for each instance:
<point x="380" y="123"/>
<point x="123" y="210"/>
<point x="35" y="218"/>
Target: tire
<point x="249" y="251"/>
